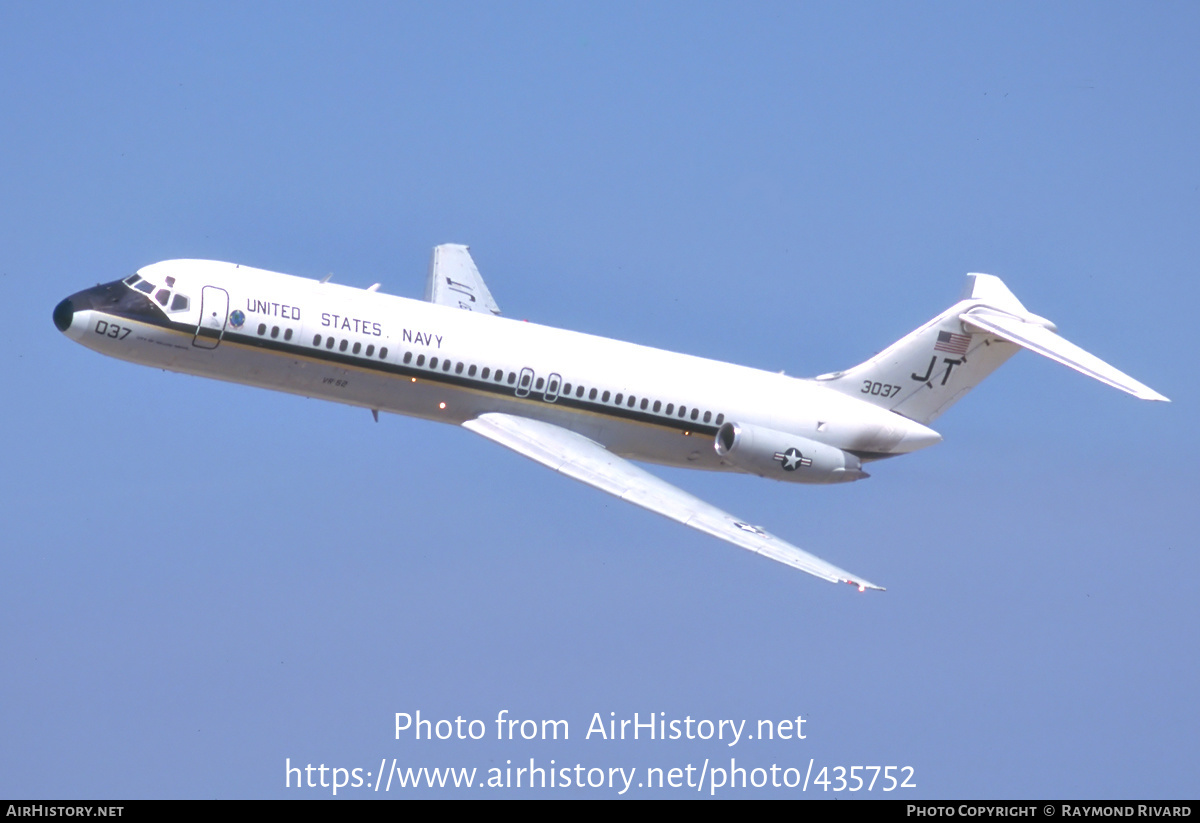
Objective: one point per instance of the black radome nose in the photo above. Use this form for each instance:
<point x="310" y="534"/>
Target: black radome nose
<point x="64" y="313"/>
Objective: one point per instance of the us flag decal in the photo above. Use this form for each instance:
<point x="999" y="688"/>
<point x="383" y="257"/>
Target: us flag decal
<point x="952" y="343"/>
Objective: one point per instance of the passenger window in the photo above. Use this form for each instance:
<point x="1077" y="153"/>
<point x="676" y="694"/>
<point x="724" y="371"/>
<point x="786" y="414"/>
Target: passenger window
<point x="540" y="383"/>
<point x="433" y="361"/>
<point x="471" y="372"/>
<point x="512" y="377"/>
<point x="707" y="416"/>
<point x="287" y="335"/>
<point x="579" y="392"/>
<point x="342" y="347"/>
<point x="371" y="350"/>
<point x="499" y="375"/>
<point x="445" y="365"/>
<point x="262" y="329"/>
<point x="695" y="413"/>
<point x="682" y="411"/>
<point x="604" y="397"/>
<point x="485" y="373"/>
<point x="420" y="360"/>
<point x="329" y="341"/>
<point x="274" y="332"/>
<point x="592" y="394"/>
<point x="357" y="348"/>
<point x="407" y="355"/>
<point x="620" y="395"/>
<point x="720" y="418"/>
<point x="670" y="408"/>
<point x="383" y="353"/>
<point x="657" y="406"/>
<point x="458" y="369"/>
<point x="316" y="339"/>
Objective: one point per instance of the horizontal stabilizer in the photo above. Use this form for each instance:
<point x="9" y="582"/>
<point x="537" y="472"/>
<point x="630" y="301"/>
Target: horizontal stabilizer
<point x="1037" y="338"/>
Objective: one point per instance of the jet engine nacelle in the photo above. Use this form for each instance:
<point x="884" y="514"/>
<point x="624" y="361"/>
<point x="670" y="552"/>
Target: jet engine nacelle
<point x="780" y="456"/>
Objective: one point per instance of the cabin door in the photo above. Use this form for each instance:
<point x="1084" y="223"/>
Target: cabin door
<point x="214" y="311"/>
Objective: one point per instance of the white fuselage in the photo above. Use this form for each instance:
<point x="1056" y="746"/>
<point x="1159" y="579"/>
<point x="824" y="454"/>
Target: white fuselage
<point x="411" y="357"/>
<point x="581" y="405"/>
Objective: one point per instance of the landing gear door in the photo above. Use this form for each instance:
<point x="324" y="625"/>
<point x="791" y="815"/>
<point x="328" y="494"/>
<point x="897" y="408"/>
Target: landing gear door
<point x="214" y="311"/>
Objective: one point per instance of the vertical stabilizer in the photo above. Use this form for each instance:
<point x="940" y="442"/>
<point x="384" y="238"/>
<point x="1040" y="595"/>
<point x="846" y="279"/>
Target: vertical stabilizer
<point x="927" y="371"/>
<point x="455" y="281"/>
<point x="991" y="290"/>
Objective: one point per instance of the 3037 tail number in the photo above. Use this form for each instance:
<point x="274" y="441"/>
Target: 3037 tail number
<point x="880" y="389"/>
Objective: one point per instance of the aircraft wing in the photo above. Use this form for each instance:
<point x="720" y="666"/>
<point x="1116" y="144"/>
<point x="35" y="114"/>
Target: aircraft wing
<point x="455" y="281"/>
<point x="587" y="461"/>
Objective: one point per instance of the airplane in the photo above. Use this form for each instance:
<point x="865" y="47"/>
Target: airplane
<point x="583" y="405"/>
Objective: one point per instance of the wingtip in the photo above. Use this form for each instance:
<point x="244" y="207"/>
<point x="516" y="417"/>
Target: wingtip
<point x="1142" y="392"/>
<point x="863" y="585"/>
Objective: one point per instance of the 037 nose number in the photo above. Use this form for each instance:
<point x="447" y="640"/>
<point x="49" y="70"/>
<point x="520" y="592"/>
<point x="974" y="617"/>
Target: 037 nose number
<point x="112" y="330"/>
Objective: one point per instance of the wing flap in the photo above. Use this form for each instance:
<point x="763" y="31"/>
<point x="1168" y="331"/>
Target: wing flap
<point x="455" y="281"/>
<point x="1037" y="338"/>
<point x="585" y="460"/>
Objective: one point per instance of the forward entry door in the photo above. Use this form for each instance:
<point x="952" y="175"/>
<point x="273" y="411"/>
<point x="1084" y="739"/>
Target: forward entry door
<point x="214" y="311"/>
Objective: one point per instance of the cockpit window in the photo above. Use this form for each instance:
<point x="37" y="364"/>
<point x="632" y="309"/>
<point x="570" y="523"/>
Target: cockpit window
<point x="166" y="298"/>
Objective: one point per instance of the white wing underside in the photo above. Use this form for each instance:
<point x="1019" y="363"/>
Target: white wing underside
<point x="585" y="460"/>
<point x="455" y="281"/>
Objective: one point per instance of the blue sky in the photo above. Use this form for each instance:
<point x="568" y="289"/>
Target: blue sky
<point x="200" y="580"/>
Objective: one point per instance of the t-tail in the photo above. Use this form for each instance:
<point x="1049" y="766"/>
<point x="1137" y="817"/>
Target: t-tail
<point x="930" y="369"/>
